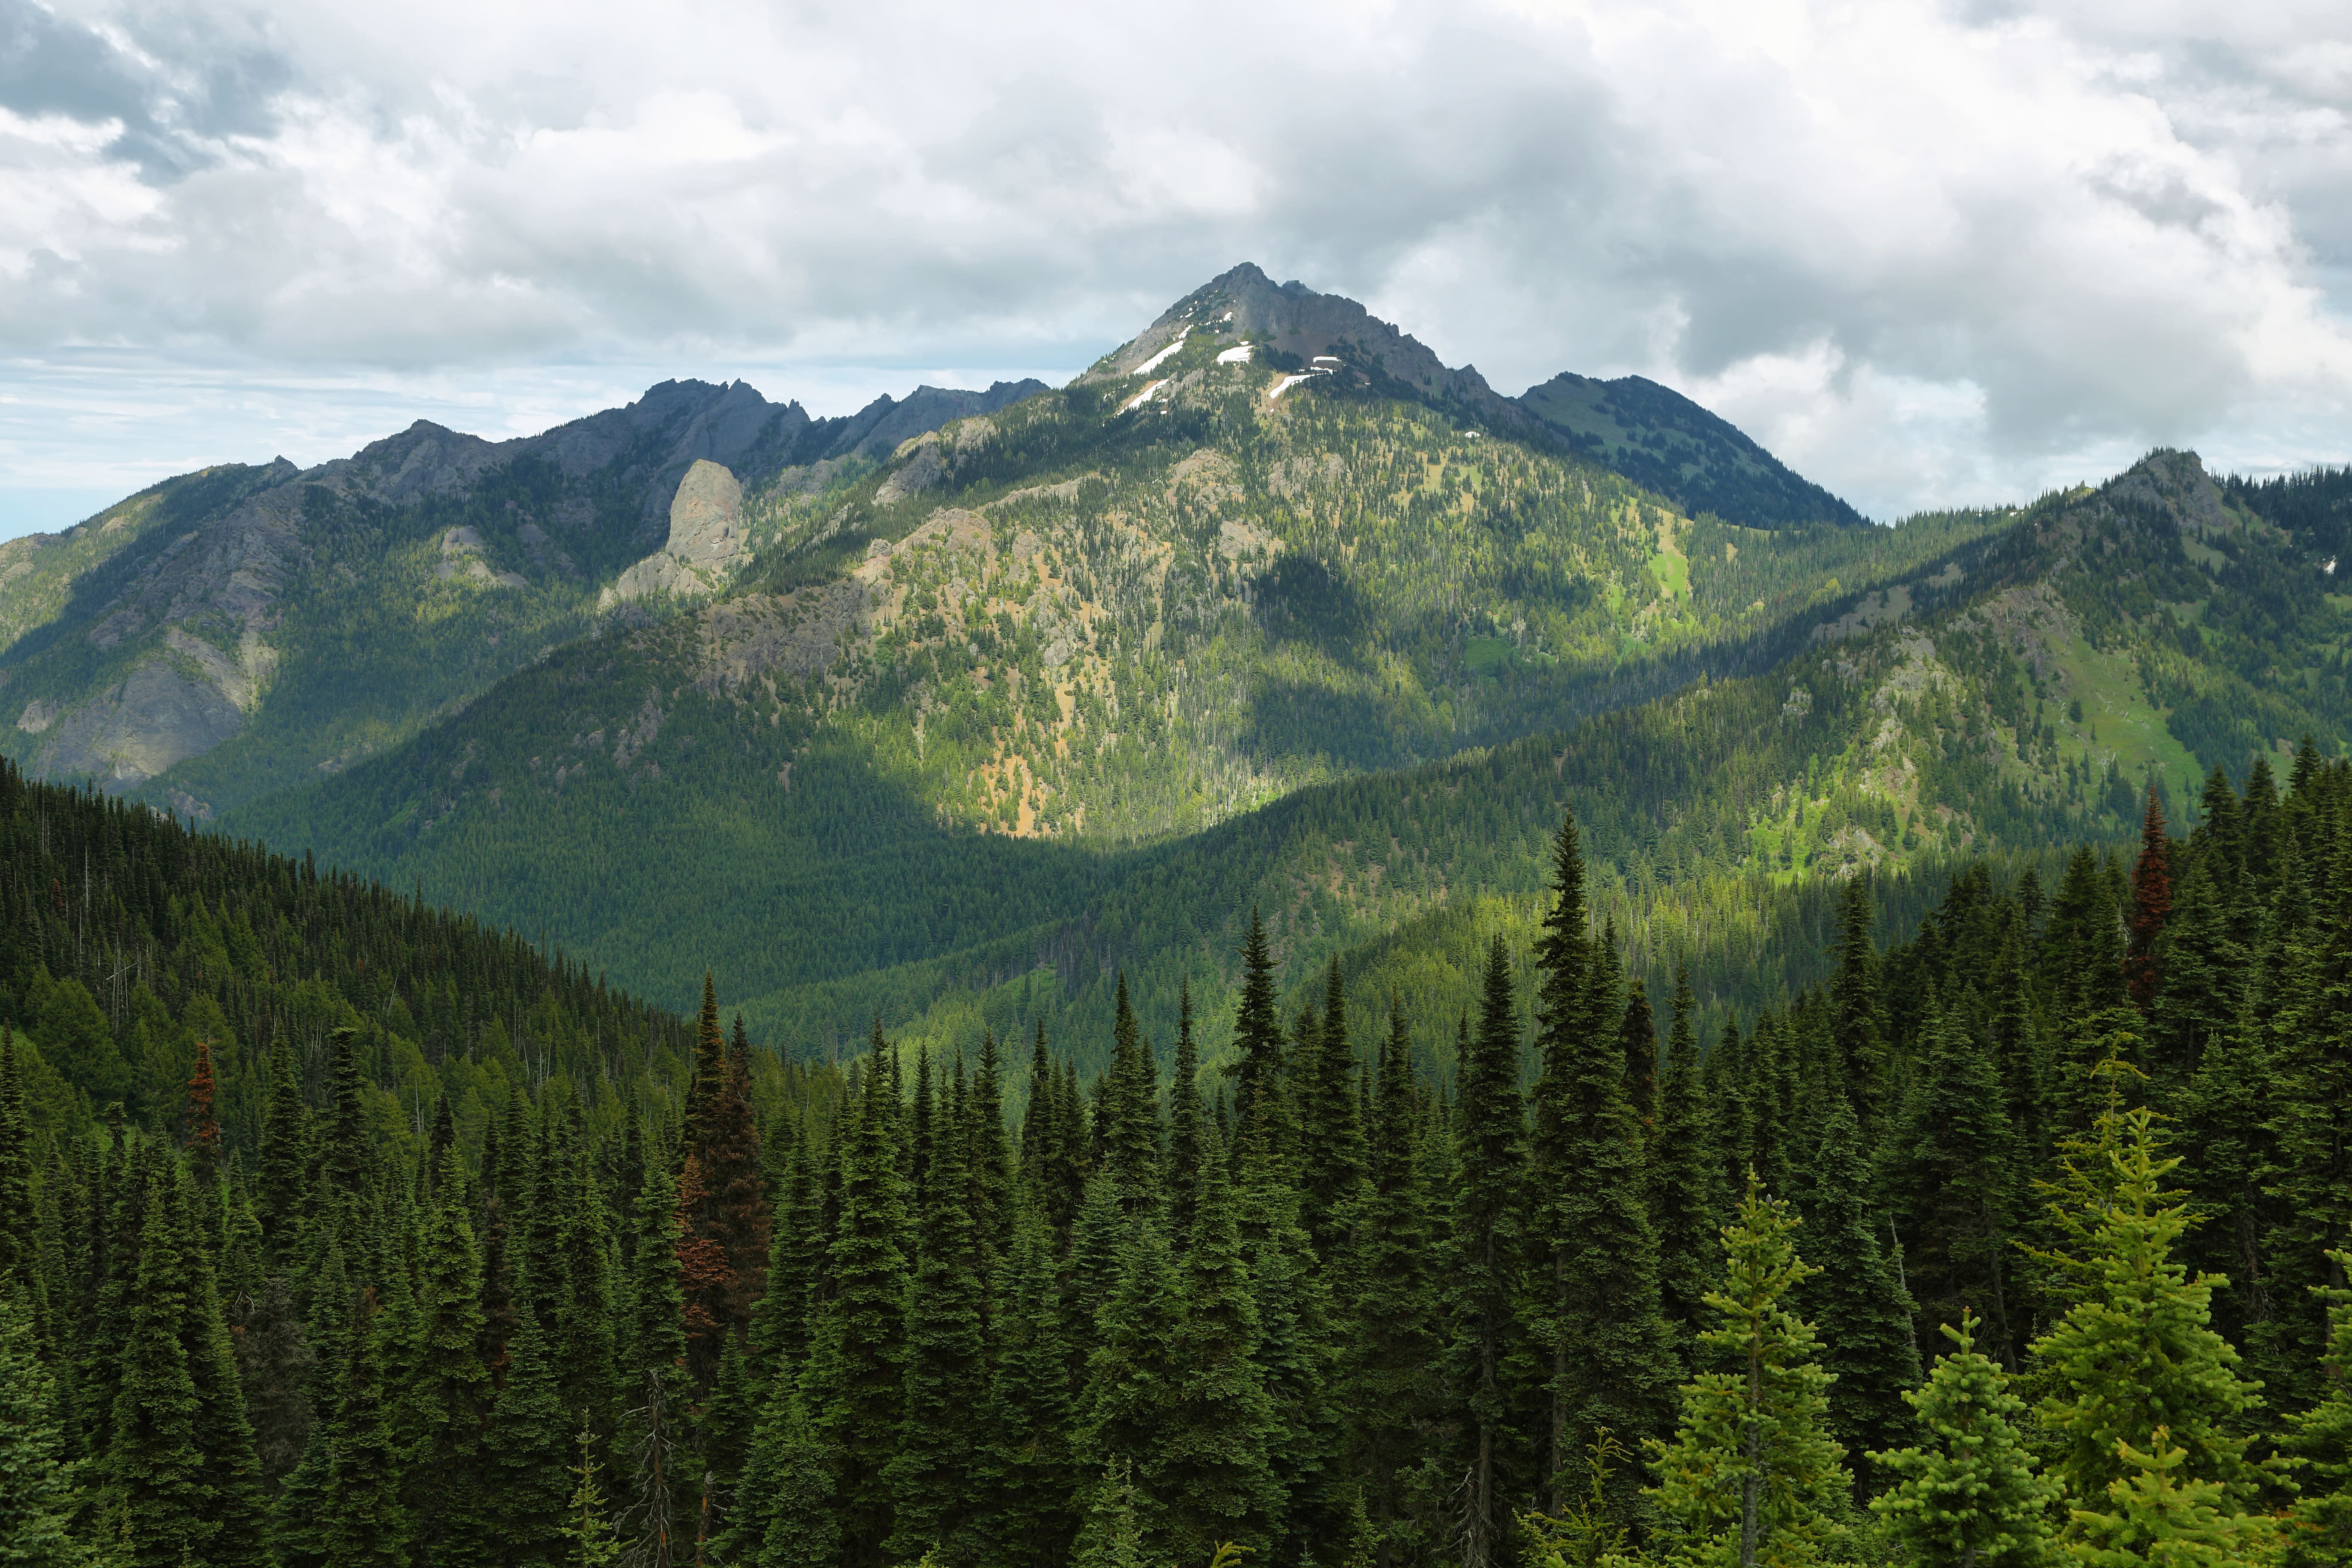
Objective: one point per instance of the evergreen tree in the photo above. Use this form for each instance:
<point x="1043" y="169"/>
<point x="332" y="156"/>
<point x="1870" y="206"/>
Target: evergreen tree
<point x="1856" y="1300"/>
<point x="1029" y="1427"/>
<point x="581" y="1344"/>
<point x="1861" y="1061"/>
<point x="1331" y="1132"/>
<point x="1391" y="1381"/>
<point x="857" y="1367"/>
<point x="2320" y="1531"/>
<point x="2166" y="1519"/>
<point x="1097" y="1252"/>
<point x="2151" y="906"/>
<point x="299" y="1515"/>
<point x="1292" y="1295"/>
<point x="154" y="1468"/>
<point x="532" y="1488"/>
<point x="991" y="1160"/>
<point x="37" y="1480"/>
<point x="1950" y="1181"/>
<point x="285" y="1129"/>
<point x="655" y="1385"/>
<point x="234" y="1528"/>
<point x="365" y="1525"/>
<point x="1488" y="1239"/>
<point x="17" y="1258"/>
<point x="1682" y="1179"/>
<point x="1258" y="1029"/>
<point x="1131" y="1374"/>
<point x="936" y="1477"/>
<point x="2136" y="1351"/>
<point x="1610" y="1352"/>
<point x="1129" y="1126"/>
<point x="1184" y="1119"/>
<point x="450" y="1393"/>
<point x="1972" y="1498"/>
<point x="1210" y="1466"/>
<point x="1752" y="1475"/>
<point x="1113" y="1536"/>
<point x="789" y="1516"/>
<point x="587" y="1534"/>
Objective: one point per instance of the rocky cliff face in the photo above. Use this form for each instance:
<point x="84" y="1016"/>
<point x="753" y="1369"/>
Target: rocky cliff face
<point x="386" y="587"/>
<point x="705" y="544"/>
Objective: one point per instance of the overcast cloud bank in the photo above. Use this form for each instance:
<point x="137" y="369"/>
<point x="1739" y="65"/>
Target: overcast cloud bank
<point x="1926" y="253"/>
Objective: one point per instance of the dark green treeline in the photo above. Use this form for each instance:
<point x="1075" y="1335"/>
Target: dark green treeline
<point x="1611" y="1293"/>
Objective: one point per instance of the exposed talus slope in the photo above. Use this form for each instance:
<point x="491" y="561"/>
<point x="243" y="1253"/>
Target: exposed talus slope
<point x="239" y="631"/>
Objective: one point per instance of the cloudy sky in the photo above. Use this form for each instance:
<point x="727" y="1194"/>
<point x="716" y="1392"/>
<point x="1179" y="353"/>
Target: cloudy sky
<point x="1928" y="253"/>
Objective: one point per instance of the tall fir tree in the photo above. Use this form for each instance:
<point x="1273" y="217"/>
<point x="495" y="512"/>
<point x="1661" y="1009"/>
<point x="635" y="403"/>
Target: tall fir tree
<point x="936" y="1476"/>
<point x="1391" y="1379"/>
<point x="1971" y="1497"/>
<point x="1856" y="1025"/>
<point x="1949" y="1179"/>
<point x="154" y="1468"/>
<point x="365" y="1525"/>
<point x="1752" y="1475"/>
<point x="1131" y="1371"/>
<point x="1184" y="1119"/>
<point x="1257" y="1028"/>
<point x="36" y="1478"/>
<point x="1033" y="1508"/>
<point x="529" y="1446"/>
<point x="1331" y="1132"/>
<point x="1856" y="1300"/>
<point x="2151" y="906"/>
<point x="1489" y="1236"/>
<point x="1210" y="1466"/>
<point x="653" y="1386"/>
<point x="858" y="1366"/>
<point x="285" y="1134"/>
<point x="450" y="1393"/>
<point x="2136" y="1351"/>
<point x="1684" y="1158"/>
<point x="234" y="1533"/>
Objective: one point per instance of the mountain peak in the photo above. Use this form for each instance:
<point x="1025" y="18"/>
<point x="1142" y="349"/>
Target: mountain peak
<point x="1245" y="304"/>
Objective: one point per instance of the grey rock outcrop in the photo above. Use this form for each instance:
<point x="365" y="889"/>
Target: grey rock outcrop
<point x="705" y="543"/>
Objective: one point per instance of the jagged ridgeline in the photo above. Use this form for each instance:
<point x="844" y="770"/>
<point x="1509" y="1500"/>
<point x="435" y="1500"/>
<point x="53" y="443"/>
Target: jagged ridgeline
<point x="248" y="629"/>
<point x="1334" y="1305"/>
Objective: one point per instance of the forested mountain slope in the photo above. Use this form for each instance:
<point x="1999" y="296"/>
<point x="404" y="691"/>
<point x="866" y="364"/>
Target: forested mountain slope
<point x="821" y="790"/>
<point x="243" y="630"/>
<point x="1107" y="618"/>
<point x="126" y="940"/>
<point x="1470" y="1291"/>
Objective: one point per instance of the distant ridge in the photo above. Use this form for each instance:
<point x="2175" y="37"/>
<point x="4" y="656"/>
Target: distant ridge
<point x="1657" y="436"/>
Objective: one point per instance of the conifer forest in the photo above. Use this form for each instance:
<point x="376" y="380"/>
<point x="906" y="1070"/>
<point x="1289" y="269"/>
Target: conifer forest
<point x="343" y="1232"/>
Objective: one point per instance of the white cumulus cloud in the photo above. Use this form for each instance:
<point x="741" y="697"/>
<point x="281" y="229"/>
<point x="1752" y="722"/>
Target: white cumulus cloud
<point x="1927" y="252"/>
